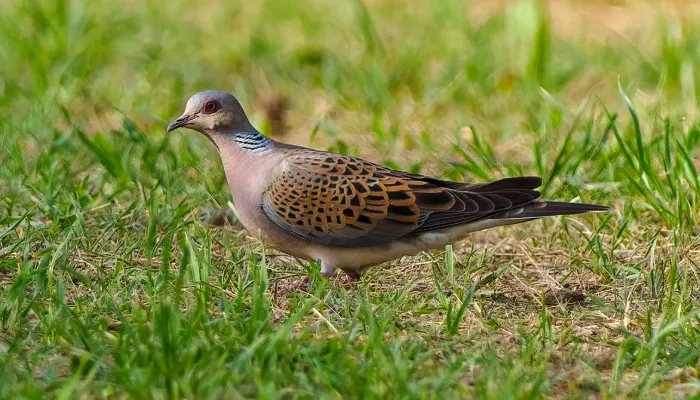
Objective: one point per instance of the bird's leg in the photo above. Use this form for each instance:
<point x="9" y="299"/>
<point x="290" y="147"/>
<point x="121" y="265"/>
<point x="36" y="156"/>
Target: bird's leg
<point x="302" y="285"/>
<point x="327" y="271"/>
<point x="299" y="285"/>
<point x="351" y="277"/>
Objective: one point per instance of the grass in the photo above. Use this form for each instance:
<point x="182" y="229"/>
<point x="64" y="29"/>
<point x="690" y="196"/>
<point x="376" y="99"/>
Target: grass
<point x="120" y="277"/>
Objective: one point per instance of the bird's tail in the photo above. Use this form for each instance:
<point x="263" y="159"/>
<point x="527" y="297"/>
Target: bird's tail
<point x="539" y="209"/>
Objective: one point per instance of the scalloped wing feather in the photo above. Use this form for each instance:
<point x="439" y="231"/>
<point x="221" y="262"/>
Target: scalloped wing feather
<point x="337" y="200"/>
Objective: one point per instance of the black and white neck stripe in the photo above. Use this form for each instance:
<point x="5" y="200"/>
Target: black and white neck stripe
<point x="253" y="141"/>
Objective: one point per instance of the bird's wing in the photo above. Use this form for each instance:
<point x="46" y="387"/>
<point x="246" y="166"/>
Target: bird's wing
<point x="342" y="201"/>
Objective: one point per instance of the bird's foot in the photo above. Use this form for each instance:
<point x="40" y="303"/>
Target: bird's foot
<point x="347" y="280"/>
<point x="299" y="285"/>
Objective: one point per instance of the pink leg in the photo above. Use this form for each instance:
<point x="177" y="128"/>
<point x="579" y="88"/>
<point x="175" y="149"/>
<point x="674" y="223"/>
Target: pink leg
<point x="299" y="285"/>
<point x="350" y="278"/>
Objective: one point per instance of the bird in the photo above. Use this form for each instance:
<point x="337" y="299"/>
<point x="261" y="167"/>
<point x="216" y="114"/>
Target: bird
<point x="346" y="212"/>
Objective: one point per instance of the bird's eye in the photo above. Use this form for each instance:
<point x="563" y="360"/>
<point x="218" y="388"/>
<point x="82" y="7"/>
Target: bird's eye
<point x="210" y="107"/>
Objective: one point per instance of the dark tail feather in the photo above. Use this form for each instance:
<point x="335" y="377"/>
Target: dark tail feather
<point x="541" y="209"/>
<point x="520" y="182"/>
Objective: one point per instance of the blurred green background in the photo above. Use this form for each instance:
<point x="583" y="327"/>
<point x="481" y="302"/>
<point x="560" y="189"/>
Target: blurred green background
<point x="118" y="280"/>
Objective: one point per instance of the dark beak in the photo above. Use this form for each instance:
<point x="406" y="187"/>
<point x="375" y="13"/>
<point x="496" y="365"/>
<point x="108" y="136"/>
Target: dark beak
<point x="180" y="122"/>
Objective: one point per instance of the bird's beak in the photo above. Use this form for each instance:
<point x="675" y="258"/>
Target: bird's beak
<point x="183" y="120"/>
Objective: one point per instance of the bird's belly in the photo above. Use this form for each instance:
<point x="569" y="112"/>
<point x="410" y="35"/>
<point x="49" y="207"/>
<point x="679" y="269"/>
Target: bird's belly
<point x="357" y="258"/>
<point x="360" y="257"/>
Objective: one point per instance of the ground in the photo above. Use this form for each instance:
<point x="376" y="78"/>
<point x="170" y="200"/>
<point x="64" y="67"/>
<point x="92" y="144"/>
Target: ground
<point x="123" y="271"/>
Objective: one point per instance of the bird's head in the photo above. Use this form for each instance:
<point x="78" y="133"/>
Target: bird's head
<point x="212" y="113"/>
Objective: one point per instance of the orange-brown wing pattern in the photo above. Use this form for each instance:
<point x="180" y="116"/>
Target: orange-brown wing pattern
<point x="338" y="200"/>
<point x="334" y="199"/>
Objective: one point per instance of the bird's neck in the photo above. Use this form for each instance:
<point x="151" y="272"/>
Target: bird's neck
<point x="252" y="141"/>
<point x="248" y="159"/>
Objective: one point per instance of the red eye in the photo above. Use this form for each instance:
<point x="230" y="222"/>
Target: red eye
<point x="210" y="107"/>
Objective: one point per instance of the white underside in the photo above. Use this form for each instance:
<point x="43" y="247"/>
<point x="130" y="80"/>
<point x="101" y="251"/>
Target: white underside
<point x="358" y="258"/>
